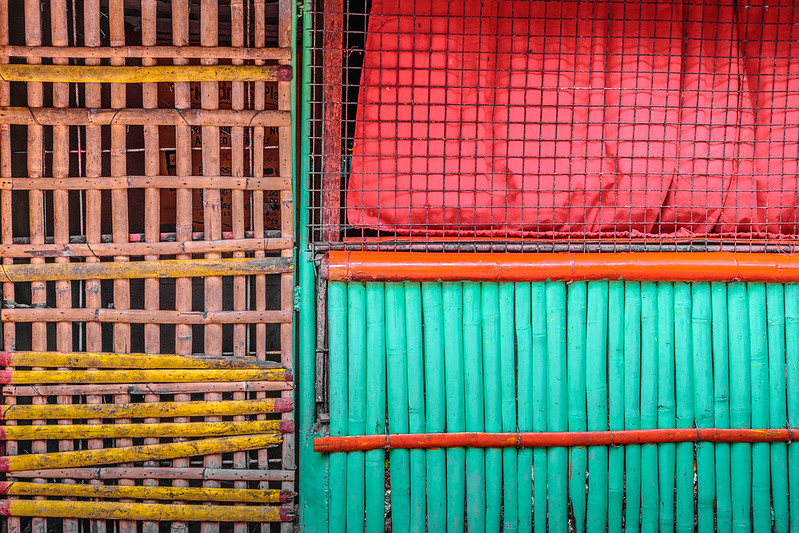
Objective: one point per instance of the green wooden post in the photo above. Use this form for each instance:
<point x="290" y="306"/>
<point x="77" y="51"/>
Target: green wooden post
<point x="792" y="387"/>
<point x="416" y="410"/>
<point x="578" y="457"/>
<point x="778" y="406"/>
<point x="526" y="371"/>
<point x="721" y="404"/>
<point x="596" y="388"/>
<point x="337" y="353"/>
<point x="456" y="410"/>
<point x="542" y="388"/>
<point x="475" y="418"/>
<point x="375" y="404"/>
<point x="557" y="415"/>
<point x="616" y="313"/>
<point x="761" y="470"/>
<point x="492" y="387"/>
<point x="356" y="421"/>
<point x="649" y="404"/>
<point x="509" y="421"/>
<point x="666" y="403"/>
<point x="684" y="407"/>
<point x="632" y="401"/>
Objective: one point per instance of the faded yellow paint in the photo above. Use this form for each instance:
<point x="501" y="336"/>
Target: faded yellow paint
<point x="165" y="429"/>
<point x="136" y="74"/>
<point x="140" y="361"/>
<point x="32" y="377"/>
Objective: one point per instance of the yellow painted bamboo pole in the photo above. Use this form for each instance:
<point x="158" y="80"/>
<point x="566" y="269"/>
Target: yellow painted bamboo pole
<point x="161" y="430"/>
<point x="129" y="454"/>
<point x="107" y="52"/>
<point x="131" y="116"/>
<point x="28" y="377"/>
<point x="145" y="511"/>
<point x="158" y="472"/>
<point x="271" y="183"/>
<point x="170" y="268"/>
<point x="144" y="410"/>
<point x="137" y="74"/>
<point x="145" y="388"/>
<point x="119" y="361"/>
<point x="61" y="490"/>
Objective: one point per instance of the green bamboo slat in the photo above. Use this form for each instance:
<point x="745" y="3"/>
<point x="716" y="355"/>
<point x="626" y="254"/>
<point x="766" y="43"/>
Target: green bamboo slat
<point x="740" y="404"/>
<point x="666" y="404"/>
<point x="721" y="404"/>
<point x="632" y="402"/>
<point x="778" y="406"/>
<point x="541" y="401"/>
<point x="337" y="353"/>
<point x="508" y="387"/>
<point x="456" y="409"/>
<point x="703" y="402"/>
<point x="526" y="405"/>
<point x="375" y="404"/>
<point x="649" y="404"/>
<point x="416" y="411"/>
<point x="356" y="419"/>
<point x="397" y="385"/>
<point x="578" y="456"/>
<point x="557" y="396"/>
<point x="758" y="342"/>
<point x="492" y="387"/>
<point x="475" y="417"/>
<point x="684" y="408"/>
<point x="596" y="390"/>
<point x="792" y="388"/>
<point x="435" y="403"/>
<point x="615" y="402"/>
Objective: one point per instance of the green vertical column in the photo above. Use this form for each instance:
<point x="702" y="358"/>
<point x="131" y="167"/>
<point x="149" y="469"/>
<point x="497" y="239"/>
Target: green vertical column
<point x="740" y="404"/>
<point x="632" y="402"/>
<point x="792" y="388"/>
<point x="337" y="354"/>
<point x="721" y="403"/>
<point x="761" y="470"/>
<point x="508" y="383"/>
<point x="649" y="405"/>
<point x="778" y="406"/>
<point x="578" y="456"/>
<point x="684" y="407"/>
<point x="416" y="411"/>
<point x="434" y="372"/>
<point x="666" y="403"/>
<point x="542" y="388"/>
<point x="526" y="370"/>
<point x="492" y="387"/>
<point x="616" y="394"/>
<point x="375" y="404"/>
<point x="703" y="403"/>
<point x="397" y="385"/>
<point x="475" y="418"/>
<point x="596" y="388"/>
<point x="557" y="414"/>
<point x="356" y="420"/>
<point x="456" y="410"/>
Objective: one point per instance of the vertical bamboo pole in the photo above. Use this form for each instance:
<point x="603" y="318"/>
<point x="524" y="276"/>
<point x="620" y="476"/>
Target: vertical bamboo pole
<point x="740" y="404"/>
<point x="649" y="404"/>
<point x="337" y="356"/>
<point x="542" y="388"/>
<point x="632" y="402"/>
<point x="557" y="415"/>
<point x="524" y="349"/>
<point x="596" y="389"/>
<point x="416" y="410"/>
<point x="666" y="402"/>
<point x="356" y="384"/>
<point x="792" y="394"/>
<point x="492" y="395"/>
<point x="456" y="410"/>
<point x="397" y="369"/>
<point x="509" y="420"/>
<point x="721" y="403"/>
<point x="375" y="404"/>
<point x="435" y="408"/>
<point x="778" y="403"/>
<point x="615" y="402"/>
<point x="475" y="418"/>
<point x="578" y="456"/>
<point x="331" y="135"/>
<point x="684" y="407"/>
<point x="761" y="470"/>
<point x="701" y="335"/>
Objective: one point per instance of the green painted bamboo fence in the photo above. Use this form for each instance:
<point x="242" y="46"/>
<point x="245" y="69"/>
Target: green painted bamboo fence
<point x="507" y="357"/>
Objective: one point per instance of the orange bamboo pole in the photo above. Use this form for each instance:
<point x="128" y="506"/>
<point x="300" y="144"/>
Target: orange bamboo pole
<point x="108" y="52"/>
<point x="150" y="181"/>
<point x="144" y="74"/>
<point x="140" y="316"/>
<point x="121" y="116"/>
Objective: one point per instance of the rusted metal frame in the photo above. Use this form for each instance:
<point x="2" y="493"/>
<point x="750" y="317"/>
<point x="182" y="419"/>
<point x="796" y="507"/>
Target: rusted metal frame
<point x="146" y="52"/>
<point x="333" y="63"/>
<point x="140" y="316"/>
<point x="121" y="116"/>
<point x="158" y="473"/>
<point x="153" y="181"/>
<point x="134" y="74"/>
<point x="138" y="388"/>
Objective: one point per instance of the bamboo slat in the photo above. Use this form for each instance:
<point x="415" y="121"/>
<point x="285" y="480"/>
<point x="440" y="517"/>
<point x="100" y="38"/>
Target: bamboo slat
<point x="122" y="116"/>
<point x="138" y="316"/>
<point x="165" y="429"/>
<point x="136" y="74"/>
<point x="107" y="52"/>
<point x="136" y="361"/>
<point x="416" y="401"/>
<point x="109" y="473"/>
<point x="139" y="388"/>
<point x="26" y="377"/>
<point x="153" y="181"/>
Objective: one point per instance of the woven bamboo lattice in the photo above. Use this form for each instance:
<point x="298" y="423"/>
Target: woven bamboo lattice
<point x="140" y="215"/>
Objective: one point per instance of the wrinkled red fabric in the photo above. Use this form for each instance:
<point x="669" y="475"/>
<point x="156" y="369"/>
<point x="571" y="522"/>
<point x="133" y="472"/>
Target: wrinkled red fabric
<point x="503" y="117"/>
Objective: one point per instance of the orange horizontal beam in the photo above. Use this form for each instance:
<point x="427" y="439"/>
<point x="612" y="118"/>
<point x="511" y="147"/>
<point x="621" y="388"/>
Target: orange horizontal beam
<point x="636" y="266"/>
<point x="547" y="439"/>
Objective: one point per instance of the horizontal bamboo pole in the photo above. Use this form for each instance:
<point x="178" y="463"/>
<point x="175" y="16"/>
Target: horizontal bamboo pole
<point x="145" y="410"/>
<point x="129" y="360"/>
<point x="192" y="375"/>
<point x="167" y="236"/>
<point x="145" y="511"/>
<point x="129" y="454"/>
<point x="162" y="430"/>
<point x="139" y="316"/>
<point x="109" y="52"/>
<point x="220" y="474"/>
<point x="74" y="116"/>
<point x="168" y="268"/>
<point x="271" y="183"/>
<point x="547" y="439"/>
<point x="144" y="388"/>
<point x="61" y="490"/>
<point x="138" y="74"/>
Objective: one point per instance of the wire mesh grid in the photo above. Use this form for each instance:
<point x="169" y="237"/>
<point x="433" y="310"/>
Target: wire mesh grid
<point x="582" y="126"/>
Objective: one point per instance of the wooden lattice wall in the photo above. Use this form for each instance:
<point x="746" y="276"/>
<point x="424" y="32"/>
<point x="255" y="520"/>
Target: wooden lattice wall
<point x="140" y="215"/>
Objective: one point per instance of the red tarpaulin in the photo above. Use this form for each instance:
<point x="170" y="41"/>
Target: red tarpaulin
<point x="503" y="117"/>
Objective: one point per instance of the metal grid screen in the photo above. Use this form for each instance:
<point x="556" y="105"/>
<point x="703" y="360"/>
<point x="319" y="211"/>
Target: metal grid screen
<point x="518" y="125"/>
